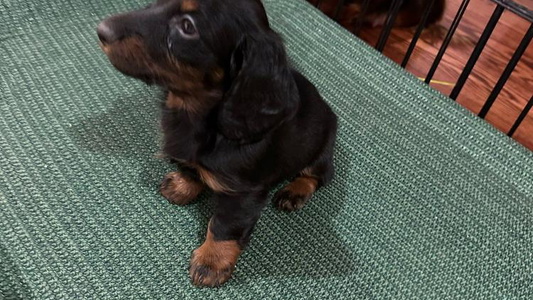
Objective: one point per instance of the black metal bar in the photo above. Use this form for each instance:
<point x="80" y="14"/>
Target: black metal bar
<point x="391" y="17"/>
<point x="361" y="16"/>
<point x="447" y="40"/>
<point x="521" y="118"/>
<point x="516" y="8"/>
<point x="340" y="4"/>
<point x="477" y="51"/>
<point x="418" y="32"/>
<point x="507" y="72"/>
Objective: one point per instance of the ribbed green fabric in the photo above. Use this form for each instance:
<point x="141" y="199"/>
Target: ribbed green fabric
<point x="429" y="201"/>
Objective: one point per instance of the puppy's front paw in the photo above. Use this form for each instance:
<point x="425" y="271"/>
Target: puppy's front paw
<point x="213" y="263"/>
<point x="288" y="201"/>
<point x="207" y="273"/>
<point x="294" y="196"/>
<point x="179" y="189"/>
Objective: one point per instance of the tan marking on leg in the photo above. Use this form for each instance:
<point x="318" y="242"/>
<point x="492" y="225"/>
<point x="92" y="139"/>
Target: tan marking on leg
<point x="295" y="194"/>
<point x="213" y="263"/>
<point x="302" y="186"/>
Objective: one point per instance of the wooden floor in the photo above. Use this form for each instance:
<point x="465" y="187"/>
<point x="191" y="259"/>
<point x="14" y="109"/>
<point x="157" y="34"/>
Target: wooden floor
<point x="505" y="38"/>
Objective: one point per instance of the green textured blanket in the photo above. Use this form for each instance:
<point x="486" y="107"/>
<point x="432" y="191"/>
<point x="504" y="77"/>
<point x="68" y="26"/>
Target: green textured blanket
<point x="429" y="201"/>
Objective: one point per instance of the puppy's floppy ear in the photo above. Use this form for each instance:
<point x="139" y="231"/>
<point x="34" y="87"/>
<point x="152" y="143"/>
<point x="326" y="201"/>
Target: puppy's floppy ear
<point x="262" y="93"/>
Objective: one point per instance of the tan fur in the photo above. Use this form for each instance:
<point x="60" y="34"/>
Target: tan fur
<point x="302" y="186"/>
<point x="209" y="178"/>
<point x="307" y="172"/>
<point x="212" y="181"/>
<point x="191" y="105"/>
<point x="179" y="189"/>
<point x="187" y="83"/>
<point x="217" y="75"/>
<point x="219" y="257"/>
<point x="189" y="5"/>
<point x="130" y="55"/>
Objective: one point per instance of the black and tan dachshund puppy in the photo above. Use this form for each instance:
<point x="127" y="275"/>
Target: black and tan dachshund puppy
<point x="237" y="119"/>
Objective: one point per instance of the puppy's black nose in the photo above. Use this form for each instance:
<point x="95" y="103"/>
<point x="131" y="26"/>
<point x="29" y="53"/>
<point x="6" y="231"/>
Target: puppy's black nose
<point x="105" y="33"/>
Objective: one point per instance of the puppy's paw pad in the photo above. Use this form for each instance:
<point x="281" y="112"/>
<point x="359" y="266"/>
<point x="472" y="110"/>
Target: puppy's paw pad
<point x="179" y="189"/>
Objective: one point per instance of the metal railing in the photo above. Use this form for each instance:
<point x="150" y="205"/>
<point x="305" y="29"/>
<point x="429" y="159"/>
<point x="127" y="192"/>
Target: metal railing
<point x="501" y="6"/>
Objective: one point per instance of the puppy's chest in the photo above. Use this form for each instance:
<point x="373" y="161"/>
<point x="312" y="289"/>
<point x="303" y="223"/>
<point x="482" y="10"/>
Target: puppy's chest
<point x="187" y="139"/>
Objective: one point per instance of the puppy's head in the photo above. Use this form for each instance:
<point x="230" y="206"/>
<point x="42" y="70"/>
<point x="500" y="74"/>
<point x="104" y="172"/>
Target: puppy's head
<point x="190" y="45"/>
<point x="178" y="43"/>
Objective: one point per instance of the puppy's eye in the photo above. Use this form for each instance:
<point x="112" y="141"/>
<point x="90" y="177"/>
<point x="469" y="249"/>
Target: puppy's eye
<point x="186" y="26"/>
